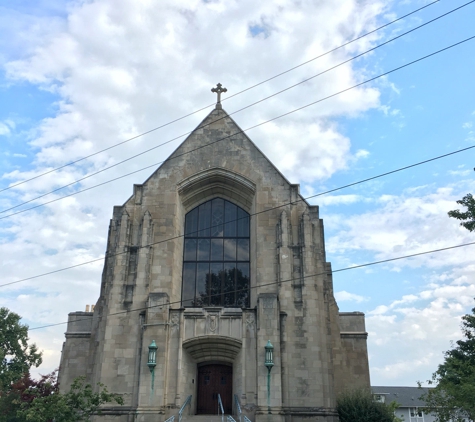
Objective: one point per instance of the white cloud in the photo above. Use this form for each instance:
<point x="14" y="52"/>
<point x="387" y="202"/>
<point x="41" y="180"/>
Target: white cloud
<point x="462" y="173"/>
<point x="123" y="74"/>
<point x="407" y="338"/>
<point x="327" y="200"/>
<point x="6" y="127"/>
<point x="415" y="313"/>
<point x="345" y="296"/>
<point x="4" y="130"/>
<point x="362" y="153"/>
<point x="120" y="69"/>
<point x="408" y="224"/>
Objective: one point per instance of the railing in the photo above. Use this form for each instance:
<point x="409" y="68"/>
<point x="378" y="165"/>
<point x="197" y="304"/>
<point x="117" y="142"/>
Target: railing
<point x="220" y="408"/>
<point x="238" y="407"/>
<point x="171" y="419"/>
<point x="182" y="408"/>
<point x="246" y="419"/>
<point x="230" y="419"/>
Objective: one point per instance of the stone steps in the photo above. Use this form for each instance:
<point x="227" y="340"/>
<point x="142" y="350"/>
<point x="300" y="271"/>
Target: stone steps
<point x="203" y="418"/>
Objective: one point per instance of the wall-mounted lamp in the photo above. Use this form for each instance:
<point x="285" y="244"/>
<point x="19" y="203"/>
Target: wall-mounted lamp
<point x="152" y="356"/>
<point x="269" y="355"/>
<point x="152" y="363"/>
<point x="269" y="363"/>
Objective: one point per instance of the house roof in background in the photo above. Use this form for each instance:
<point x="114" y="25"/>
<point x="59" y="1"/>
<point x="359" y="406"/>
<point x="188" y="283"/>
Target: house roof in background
<point x="405" y="396"/>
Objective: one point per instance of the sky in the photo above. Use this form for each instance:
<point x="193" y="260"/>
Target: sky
<point x="77" y="77"/>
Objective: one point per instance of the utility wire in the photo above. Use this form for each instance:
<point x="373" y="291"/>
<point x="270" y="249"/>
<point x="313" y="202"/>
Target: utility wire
<point x="227" y="98"/>
<point x="250" y="215"/>
<point x="245" y="130"/>
<point x="277" y="282"/>
<point x="239" y="110"/>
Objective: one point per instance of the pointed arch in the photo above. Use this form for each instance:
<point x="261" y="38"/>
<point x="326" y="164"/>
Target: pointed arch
<point x="217" y="182"/>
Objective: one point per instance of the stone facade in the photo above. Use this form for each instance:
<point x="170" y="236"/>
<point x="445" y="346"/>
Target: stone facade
<point x="318" y="351"/>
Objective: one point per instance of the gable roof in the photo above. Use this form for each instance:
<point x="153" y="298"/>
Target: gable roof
<point x="405" y="396"/>
<point x="221" y="117"/>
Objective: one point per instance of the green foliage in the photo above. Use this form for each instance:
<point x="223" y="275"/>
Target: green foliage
<point x="23" y="399"/>
<point x="393" y="406"/>
<point x="16" y="356"/>
<point x="467" y="217"/>
<point x="359" y="406"/>
<point x="453" y="396"/>
<point x="77" y="405"/>
<point x="25" y="390"/>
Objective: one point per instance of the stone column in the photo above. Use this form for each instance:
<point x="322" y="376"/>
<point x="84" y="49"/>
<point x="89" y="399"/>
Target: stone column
<point x="151" y="395"/>
<point x="269" y="329"/>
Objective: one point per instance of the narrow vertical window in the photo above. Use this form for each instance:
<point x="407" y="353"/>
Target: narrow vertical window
<point x="216" y="256"/>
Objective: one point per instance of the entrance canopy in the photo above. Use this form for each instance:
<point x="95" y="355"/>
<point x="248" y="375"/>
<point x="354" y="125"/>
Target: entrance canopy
<point x="213" y="348"/>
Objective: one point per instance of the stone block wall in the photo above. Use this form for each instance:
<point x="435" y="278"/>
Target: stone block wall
<point x="75" y="353"/>
<point x="291" y="296"/>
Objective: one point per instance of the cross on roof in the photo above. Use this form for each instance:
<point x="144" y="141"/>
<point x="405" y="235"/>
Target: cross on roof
<point x="219" y="89"/>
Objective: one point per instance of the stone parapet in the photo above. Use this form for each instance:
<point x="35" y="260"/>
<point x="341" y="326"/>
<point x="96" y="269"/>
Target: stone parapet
<point x="352" y="322"/>
<point x="79" y="323"/>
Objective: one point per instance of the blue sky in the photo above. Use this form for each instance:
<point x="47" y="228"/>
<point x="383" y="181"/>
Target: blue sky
<point x="77" y="77"/>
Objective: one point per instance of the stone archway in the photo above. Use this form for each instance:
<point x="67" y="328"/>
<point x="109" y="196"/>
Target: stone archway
<point x="214" y="356"/>
<point x="213" y="348"/>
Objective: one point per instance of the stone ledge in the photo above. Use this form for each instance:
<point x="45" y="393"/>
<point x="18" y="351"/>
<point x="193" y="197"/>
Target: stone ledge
<point x="309" y="411"/>
<point x="78" y="334"/>
<point x="355" y="334"/>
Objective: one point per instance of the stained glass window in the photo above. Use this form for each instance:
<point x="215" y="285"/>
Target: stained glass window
<point x="216" y="256"/>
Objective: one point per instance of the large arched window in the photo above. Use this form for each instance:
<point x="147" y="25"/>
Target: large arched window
<point x="216" y="256"/>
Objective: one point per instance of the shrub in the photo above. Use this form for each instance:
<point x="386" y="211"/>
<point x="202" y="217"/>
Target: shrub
<point x="359" y="406"/>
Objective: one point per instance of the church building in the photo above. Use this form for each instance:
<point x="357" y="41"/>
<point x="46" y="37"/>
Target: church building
<point x="216" y="293"/>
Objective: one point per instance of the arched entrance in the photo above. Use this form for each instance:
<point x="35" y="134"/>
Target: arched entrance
<point x="214" y="379"/>
<point x="214" y="355"/>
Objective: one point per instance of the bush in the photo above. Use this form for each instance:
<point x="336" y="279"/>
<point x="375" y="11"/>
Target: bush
<point x="359" y="406"/>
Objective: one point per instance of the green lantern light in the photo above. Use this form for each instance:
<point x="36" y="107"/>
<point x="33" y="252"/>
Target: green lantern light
<point x="269" y="363"/>
<point x="152" y="356"/>
<point x="269" y="355"/>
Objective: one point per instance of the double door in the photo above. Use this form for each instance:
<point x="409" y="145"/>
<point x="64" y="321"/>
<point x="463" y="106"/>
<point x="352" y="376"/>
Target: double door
<point x="213" y="380"/>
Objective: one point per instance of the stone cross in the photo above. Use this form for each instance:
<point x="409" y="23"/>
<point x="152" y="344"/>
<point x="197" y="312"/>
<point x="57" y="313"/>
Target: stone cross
<point x="219" y="89"/>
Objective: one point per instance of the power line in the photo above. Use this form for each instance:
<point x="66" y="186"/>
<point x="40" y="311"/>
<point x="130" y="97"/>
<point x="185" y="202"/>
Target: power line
<point x="227" y="98"/>
<point x="242" y="131"/>
<point x="278" y="282"/>
<point x="250" y="215"/>
<point x="239" y="110"/>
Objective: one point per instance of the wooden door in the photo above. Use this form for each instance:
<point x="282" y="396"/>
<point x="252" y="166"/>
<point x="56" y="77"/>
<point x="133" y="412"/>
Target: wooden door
<point x="214" y="380"/>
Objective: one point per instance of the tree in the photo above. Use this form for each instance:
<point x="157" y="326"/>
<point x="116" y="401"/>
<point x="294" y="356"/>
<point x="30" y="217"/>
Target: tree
<point x="40" y="400"/>
<point x="359" y="406"/>
<point x="16" y="356"/>
<point x="25" y="390"/>
<point x="453" y="396"/>
<point x="76" y="405"/>
<point x="467" y="217"/>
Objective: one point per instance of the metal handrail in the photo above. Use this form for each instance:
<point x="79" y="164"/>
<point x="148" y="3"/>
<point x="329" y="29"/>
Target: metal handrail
<point x="171" y="419"/>
<point x="230" y="419"/>
<point x="182" y="408"/>
<point x="246" y="419"/>
<point x="220" y="406"/>
<point x="238" y="407"/>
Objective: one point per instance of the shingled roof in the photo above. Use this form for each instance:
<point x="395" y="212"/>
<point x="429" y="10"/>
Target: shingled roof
<point x="405" y="396"/>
